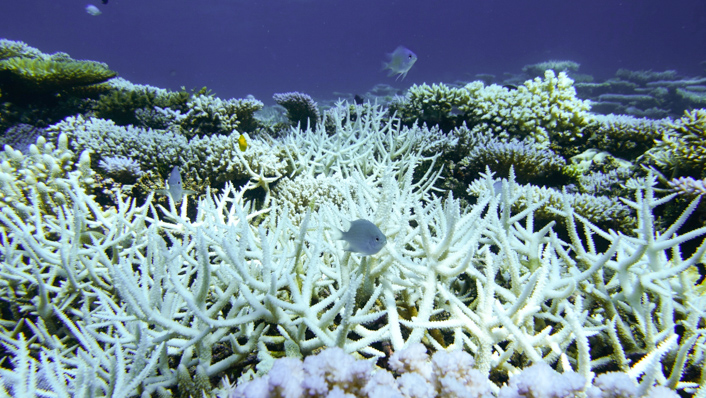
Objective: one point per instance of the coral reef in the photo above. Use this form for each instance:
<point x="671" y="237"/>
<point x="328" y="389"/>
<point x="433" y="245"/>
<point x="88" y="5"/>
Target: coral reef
<point x="681" y="150"/>
<point x="35" y="185"/>
<point x="649" y="94"/>
<point x="301" y="108"/>
<point x="50" y="76"/>
<point x="688" y="186"/>
<point x="542" y="108"/>
<point x="21" y="136"/>
<point x="446" y="374"/>
<point x="123" y="104"/>
<point x="625" y="136"/>
<point x="583" y="287"/>
<point x="538" y="70"/>
<point x="151" y="149"/>
<point x="121" y="168"/>
<point x="532" y="162"/>
<point x="206" y="115"/>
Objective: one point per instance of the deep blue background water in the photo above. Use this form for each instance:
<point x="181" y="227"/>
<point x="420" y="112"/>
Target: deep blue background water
<point x="239" y="47"/>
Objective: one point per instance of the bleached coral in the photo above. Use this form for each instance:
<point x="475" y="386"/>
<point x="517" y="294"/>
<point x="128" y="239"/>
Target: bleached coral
<point x="446" y="375"/>
<point x="218" y="158"/>
<point x="304" y="192"/>
<point x="602" y="210"/>
<point x="121" y="168"/>
<point x="35" y="184"/>
<point x="103" y="138"/>
<point x="543" y="108"/>
<point x="176" y="298"/>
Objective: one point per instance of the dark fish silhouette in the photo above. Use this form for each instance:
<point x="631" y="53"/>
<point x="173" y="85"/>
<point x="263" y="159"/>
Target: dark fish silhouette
<point x="104" y="1"/>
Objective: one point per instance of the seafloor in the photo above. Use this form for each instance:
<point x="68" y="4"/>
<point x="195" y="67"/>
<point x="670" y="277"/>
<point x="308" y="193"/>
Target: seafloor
<point x="155" y="242"/>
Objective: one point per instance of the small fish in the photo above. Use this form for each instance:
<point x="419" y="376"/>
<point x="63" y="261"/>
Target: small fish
<point x="242" y="143"/>
<point x="174" y="186"/>
<point x="93" y="10"/>
<point x="363" y="237"/>
<point x="401" y="61"/>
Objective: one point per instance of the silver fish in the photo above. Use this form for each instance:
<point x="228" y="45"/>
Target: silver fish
<point x="93" y="10"/>
<point x="174" y="186"/>
<point x="401" y="61"/>
<point x="363" y="237"/>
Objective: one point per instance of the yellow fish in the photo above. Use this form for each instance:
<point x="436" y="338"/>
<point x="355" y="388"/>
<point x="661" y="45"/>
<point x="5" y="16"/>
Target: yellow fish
<point x="242" y="143"/>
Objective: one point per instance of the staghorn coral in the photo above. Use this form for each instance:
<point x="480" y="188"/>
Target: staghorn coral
<point x="148" y="300"/>
<point x="183" y="299"/>
<point x="688" y="186"/>
<point x="35" y="184"/>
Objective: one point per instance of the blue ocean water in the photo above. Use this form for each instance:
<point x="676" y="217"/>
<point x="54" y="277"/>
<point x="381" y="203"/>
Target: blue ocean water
<point x="241" y="47"/>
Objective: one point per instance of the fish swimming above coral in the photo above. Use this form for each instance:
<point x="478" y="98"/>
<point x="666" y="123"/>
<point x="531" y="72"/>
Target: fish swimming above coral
<point x="174" y="186"/>
<point x="363" y="237"/>
<point x="400" y="62"/>
<point x="93" y="10"/>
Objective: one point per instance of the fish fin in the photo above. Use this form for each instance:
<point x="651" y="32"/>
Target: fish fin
<point x="188" y="192"/>
<point x="162" y="192"/>
<point x="336" y="234"/>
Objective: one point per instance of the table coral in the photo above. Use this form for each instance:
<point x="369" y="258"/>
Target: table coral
<point x="50" y="75"/>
